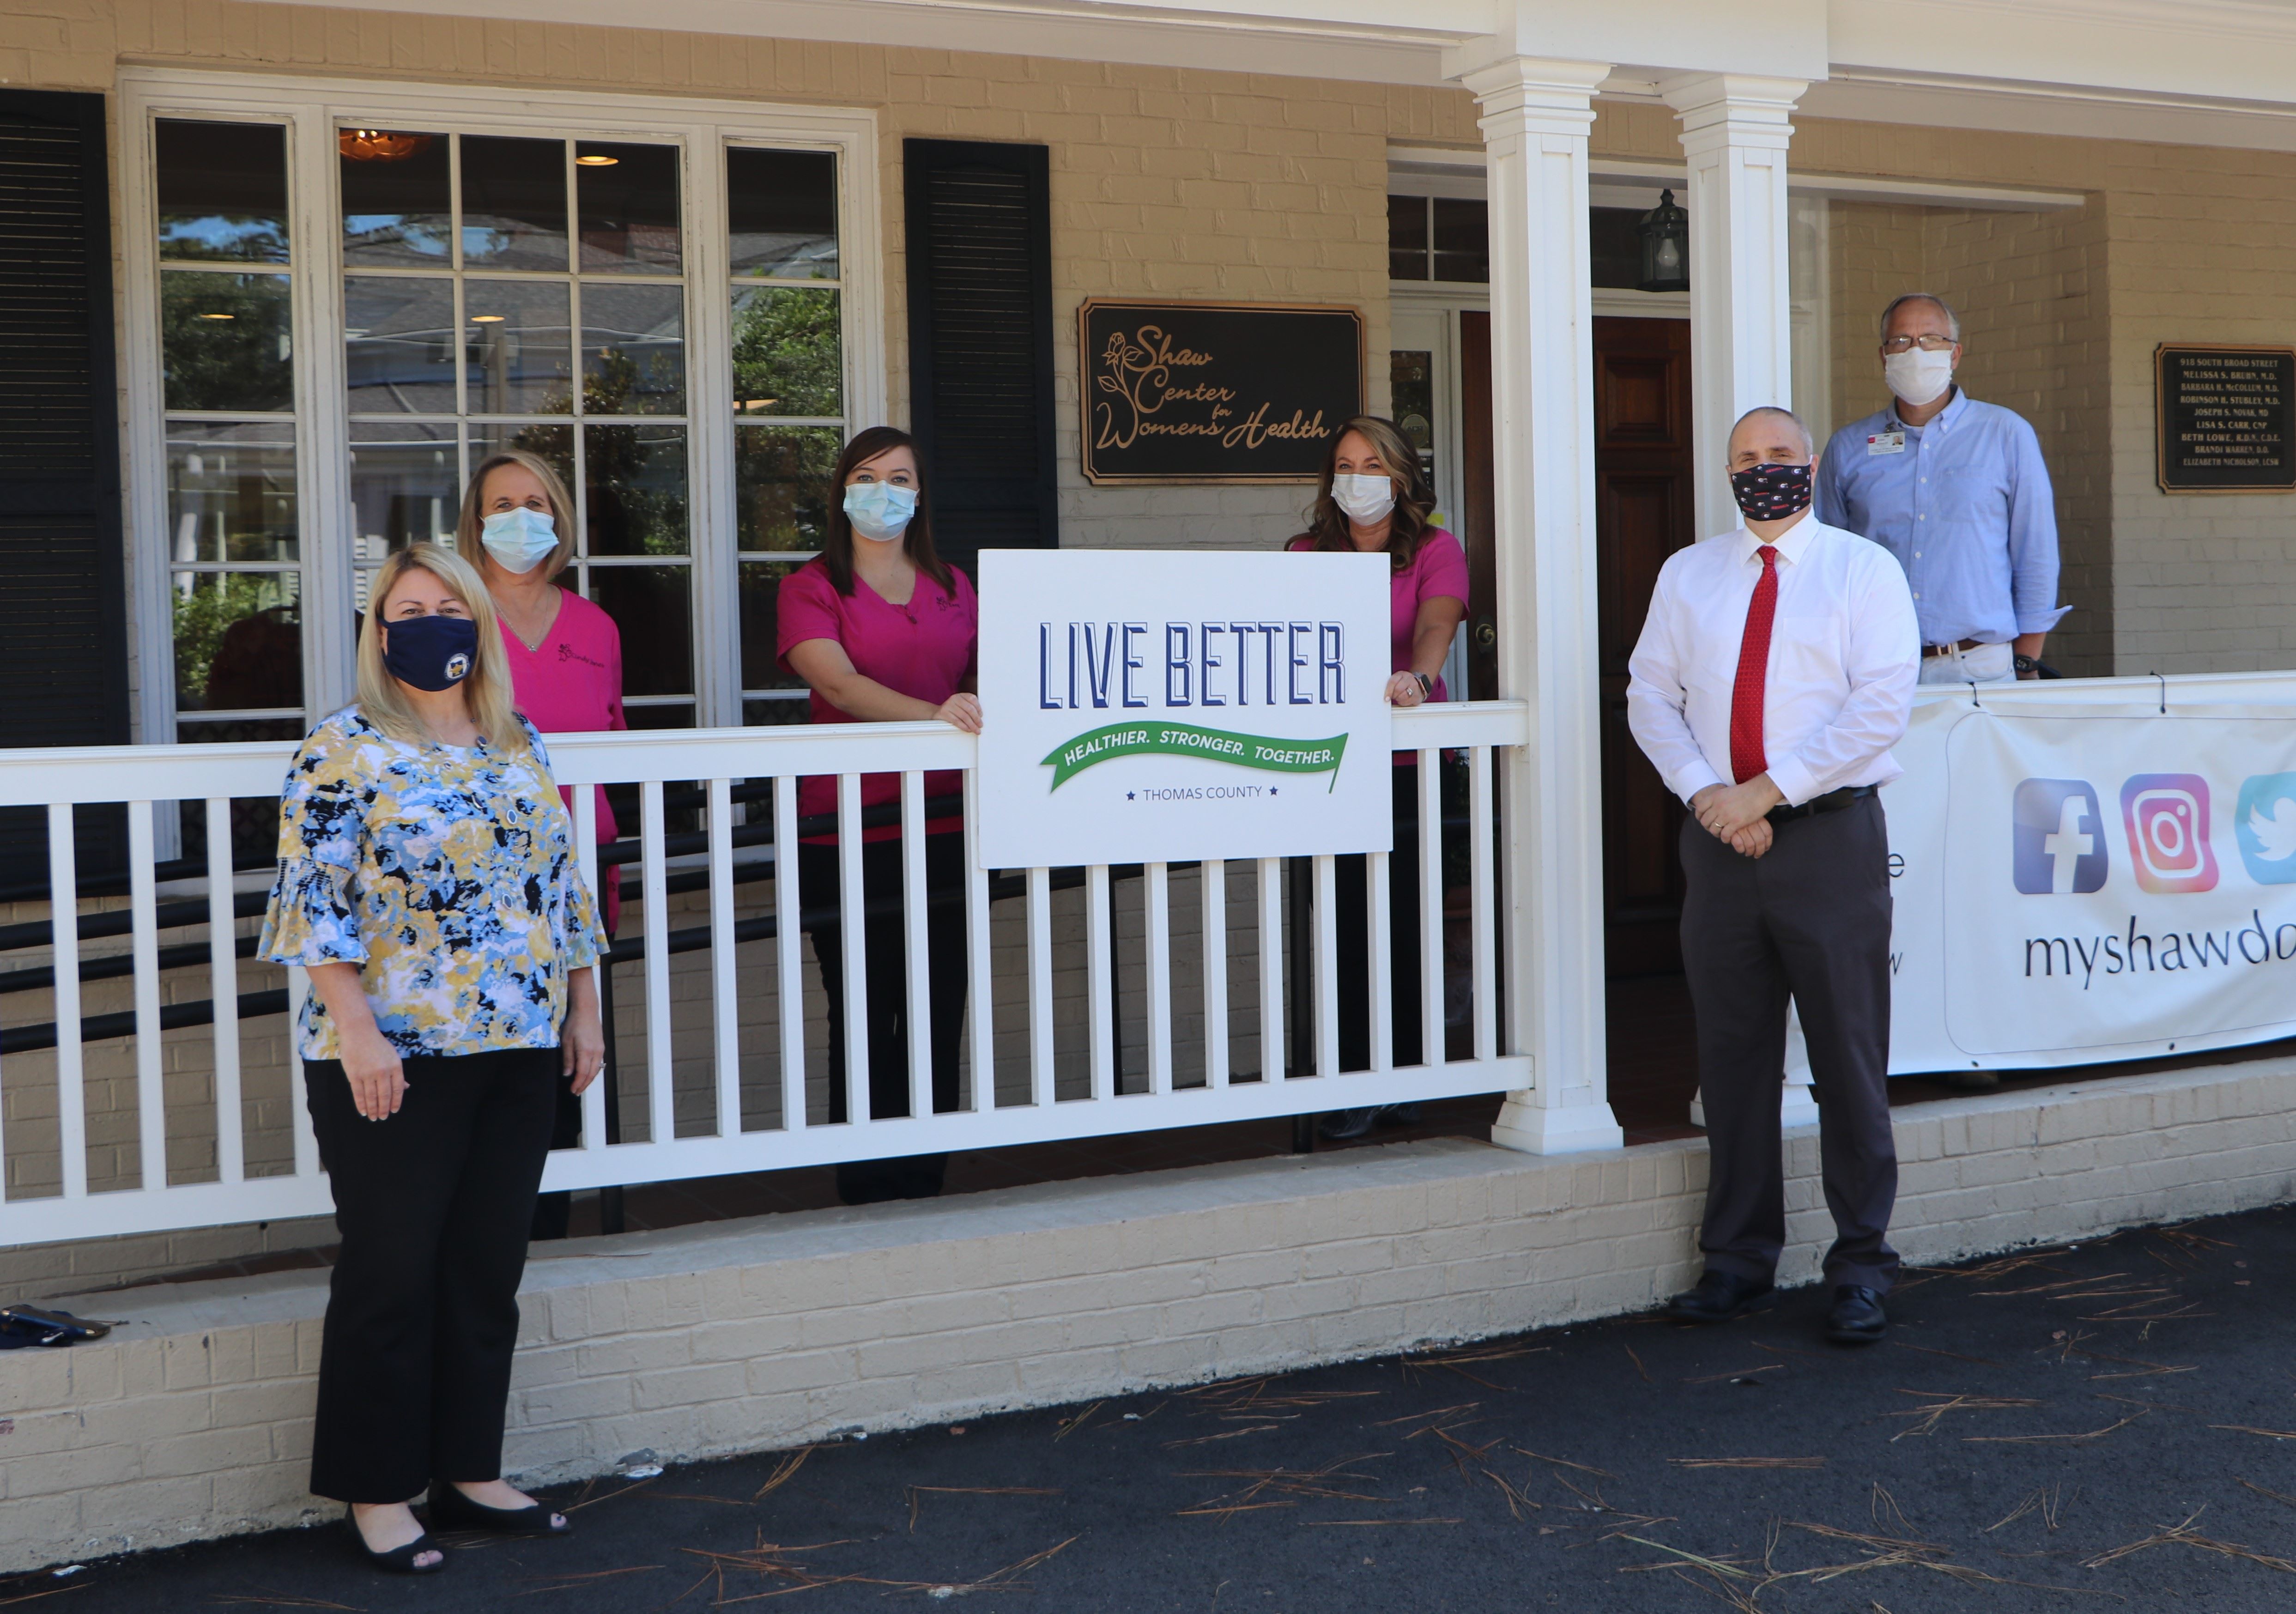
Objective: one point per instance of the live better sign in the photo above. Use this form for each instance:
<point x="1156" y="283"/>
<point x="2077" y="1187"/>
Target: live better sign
<point x="1155" y="705"/>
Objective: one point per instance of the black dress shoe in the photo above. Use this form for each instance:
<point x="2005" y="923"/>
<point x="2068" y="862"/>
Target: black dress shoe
<point x="451" y="1510"/>
<point x="400" y="1559"/>
<point x="1719" y="1297"/>
<point x="1857" y="1318"/>
<point x="1974" y="1081"/>
<point x="1341" y="1124"/>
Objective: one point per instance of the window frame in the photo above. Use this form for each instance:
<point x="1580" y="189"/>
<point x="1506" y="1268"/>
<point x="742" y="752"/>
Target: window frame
<point x="311" y="109"/>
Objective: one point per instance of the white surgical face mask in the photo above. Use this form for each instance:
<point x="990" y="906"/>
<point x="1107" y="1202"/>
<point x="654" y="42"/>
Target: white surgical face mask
<point x="879" y="511"/>
<point x="521" y="539"/>
<point x="1917" y="377"/>
<point x="1364" y="498"/>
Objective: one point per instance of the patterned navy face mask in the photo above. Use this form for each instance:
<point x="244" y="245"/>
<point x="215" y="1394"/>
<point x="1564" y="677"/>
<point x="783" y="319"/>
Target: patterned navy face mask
<point x="1771" y="493"/>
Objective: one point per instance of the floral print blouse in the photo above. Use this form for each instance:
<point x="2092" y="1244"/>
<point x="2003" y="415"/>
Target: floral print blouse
<point x="447" y="874"/>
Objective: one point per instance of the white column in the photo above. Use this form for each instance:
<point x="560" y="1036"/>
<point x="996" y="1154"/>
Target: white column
<point x="1537" y="113"/>
<point x="1734" y="131"/>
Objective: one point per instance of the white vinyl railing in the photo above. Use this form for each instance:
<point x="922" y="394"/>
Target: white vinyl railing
<point x="148" y="1117"/>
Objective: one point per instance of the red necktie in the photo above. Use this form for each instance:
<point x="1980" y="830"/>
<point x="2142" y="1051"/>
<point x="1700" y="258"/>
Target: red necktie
<point x="1746" y="695"/>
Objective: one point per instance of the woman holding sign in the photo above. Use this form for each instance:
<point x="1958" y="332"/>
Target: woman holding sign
<point x="1373" y="499"/>
<point x="883" y="630"/>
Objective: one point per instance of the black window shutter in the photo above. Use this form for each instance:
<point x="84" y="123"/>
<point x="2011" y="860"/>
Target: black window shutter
<point x="63" y="598"/>
<point x="980" y="342"/>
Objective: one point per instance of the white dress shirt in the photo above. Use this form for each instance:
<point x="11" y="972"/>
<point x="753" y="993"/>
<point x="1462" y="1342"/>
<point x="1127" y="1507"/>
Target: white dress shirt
<point x="1845" y="652"/>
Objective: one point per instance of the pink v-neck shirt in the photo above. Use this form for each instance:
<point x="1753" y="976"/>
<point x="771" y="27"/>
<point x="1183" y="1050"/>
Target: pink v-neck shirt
<point x="925" y="649"/>
<point x="1438" y="572"/>
<point x="571" y="683"/>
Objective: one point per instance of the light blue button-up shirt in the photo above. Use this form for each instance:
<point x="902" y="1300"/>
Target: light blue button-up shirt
<point x="1965" y="506"/>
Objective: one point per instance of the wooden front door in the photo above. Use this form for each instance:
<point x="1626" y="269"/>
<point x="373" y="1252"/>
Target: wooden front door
<point x="1644" y="513"/>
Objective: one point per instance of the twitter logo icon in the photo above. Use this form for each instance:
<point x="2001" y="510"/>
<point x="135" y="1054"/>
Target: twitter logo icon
<point x="2264" y="822"/>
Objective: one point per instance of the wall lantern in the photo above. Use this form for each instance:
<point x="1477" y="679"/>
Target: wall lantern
<point x="1665" y="231"/>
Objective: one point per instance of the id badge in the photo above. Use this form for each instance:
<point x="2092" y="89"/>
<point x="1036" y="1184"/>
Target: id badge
<point x="1885" y="442"/>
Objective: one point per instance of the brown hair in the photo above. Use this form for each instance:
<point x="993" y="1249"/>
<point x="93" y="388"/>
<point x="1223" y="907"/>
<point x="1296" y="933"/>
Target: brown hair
<point x="1414" y="501"/>
<point x="917" y="538"/>
<point x="473" y="520"/>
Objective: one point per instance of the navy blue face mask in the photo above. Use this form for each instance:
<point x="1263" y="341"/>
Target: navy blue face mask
<point x="430" y="652"/>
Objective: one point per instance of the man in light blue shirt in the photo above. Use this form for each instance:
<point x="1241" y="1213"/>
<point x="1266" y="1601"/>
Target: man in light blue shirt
<point x="1957" y="491"/>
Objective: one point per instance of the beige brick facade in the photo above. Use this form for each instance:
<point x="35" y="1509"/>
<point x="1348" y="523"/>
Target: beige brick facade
<point x="194" y="1419"/>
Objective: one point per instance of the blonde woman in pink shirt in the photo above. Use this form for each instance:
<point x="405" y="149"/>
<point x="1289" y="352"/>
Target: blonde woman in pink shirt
<point x="565" y="655"/>
<point x="1374" y="499"/>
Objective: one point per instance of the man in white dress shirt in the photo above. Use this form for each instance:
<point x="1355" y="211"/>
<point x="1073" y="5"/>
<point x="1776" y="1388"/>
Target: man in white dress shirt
<point x="1775" y="669"/>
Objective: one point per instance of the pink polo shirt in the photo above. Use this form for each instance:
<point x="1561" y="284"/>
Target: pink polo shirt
<point x="925" y="649"/>
<point x="571" y="683"/>
<point x="1438" y="572"/>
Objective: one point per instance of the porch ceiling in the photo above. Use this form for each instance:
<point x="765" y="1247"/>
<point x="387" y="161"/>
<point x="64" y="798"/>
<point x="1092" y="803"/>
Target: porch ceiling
<point x="2212" y="72"/>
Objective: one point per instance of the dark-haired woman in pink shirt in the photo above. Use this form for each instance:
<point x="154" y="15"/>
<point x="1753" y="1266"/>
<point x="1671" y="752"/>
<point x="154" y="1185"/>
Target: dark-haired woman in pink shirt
<point x="883" y="630"/>
<point x="1374" y="499"/>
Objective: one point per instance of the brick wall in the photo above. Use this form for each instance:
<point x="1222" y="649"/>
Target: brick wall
<point x="194" y="1419"/>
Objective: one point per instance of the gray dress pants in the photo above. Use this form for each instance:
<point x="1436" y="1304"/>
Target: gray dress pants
<point x="1808" y="920"/>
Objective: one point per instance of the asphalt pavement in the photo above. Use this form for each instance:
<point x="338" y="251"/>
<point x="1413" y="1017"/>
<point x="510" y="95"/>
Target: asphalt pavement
<point x="2106" y="1425"/>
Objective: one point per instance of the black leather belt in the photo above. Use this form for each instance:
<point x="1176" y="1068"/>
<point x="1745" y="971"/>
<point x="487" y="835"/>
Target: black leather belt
<point x="1832" y="801"/>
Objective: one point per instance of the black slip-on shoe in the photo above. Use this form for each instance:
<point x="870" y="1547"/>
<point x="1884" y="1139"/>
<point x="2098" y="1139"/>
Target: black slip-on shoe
<point x="1719" y="1297"/>
<point x="1341" y="1124"/>
<point x="1857" y="1318"/>
<point x="451" y="1510"/>
<point x="400" y="1559"/>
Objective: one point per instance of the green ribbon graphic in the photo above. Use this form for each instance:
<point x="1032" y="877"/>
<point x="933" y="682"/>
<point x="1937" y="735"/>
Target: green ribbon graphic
<point x="1185" y="739"/>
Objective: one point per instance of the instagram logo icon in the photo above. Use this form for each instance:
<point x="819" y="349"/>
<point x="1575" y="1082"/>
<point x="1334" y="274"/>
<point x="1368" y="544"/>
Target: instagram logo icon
<point x="2167" y="819"/>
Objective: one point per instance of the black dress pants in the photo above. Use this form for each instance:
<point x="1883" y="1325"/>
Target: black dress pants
<point x="885" y="958"/>
<point x="1809" y="919"/>
<point x="1351" y="911"/>
<point x="433" y="1205"/>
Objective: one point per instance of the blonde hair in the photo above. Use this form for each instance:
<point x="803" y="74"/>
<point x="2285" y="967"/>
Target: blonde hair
<point x="485" y="691"/>
<point x="473" y="521"/>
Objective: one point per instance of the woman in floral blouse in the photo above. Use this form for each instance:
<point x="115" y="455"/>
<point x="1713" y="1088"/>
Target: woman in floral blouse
<point x="427" y="882"/>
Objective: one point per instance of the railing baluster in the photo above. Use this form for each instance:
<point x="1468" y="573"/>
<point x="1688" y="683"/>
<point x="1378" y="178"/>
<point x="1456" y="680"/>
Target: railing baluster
<point x="299" y="1113"/>
<point x="1326" y="967"/>
<point x="1376" y="904"/>
<point x="222" y="988"/>
<point x="1041" y="1046"/>
<point x="144" y="943"/>
<point x="1484" y="913"/>
<point x="1100" y="979"/>
<point x="1213" y="873"/>
<point x="725" y="1001"/>
<point x="1271" y="969"/>
<point x="63" y="914"/>
<point x="1430" y="898"/>
<point x="916" y="908"/>
<point x="789" y="952"/>
<point x="661" y="1116"/>
<point x="979" y="994"/>
<point x="585" y="853"/>
<point x="1156" y="878"/>
<point x="853" y="948"/>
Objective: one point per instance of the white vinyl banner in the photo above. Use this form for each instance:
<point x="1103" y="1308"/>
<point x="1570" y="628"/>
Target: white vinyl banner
<point x="1144" y="705"/>
<point x="2080" y="881"/>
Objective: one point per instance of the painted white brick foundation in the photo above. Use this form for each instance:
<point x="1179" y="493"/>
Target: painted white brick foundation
<point x="194" y="1420"/>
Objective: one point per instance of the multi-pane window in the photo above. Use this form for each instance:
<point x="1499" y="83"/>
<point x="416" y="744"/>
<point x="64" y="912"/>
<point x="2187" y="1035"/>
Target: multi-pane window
<point x="1438" y="238"/>
<point x="789" y="395"/>
<point x="511" y="292"/>
<point x="228" y="383"/>
<point x="352" y="306"/>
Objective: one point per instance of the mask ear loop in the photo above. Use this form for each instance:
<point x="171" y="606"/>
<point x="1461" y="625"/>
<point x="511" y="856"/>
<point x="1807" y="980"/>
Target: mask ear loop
<point x="1973" y="701"/>
<point x="2164" y="694"/>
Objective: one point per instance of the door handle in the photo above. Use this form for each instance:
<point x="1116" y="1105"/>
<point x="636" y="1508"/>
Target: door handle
<point x="1487" y="635"/>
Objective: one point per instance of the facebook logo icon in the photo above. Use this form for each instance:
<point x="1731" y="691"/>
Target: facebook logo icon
<point x="2058" y="837"/>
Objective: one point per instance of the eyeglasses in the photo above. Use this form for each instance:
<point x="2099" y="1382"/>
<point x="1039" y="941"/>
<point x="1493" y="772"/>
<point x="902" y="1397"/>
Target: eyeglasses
<point x="1928" y="344"/>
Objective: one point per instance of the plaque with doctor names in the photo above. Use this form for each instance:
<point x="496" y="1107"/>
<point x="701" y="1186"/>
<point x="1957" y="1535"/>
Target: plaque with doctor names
<point x="2226" y="418"/>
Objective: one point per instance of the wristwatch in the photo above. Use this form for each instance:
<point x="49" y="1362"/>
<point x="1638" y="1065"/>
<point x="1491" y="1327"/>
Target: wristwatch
<point x="1426" y="685"/>
<point x="2025" y="664"/>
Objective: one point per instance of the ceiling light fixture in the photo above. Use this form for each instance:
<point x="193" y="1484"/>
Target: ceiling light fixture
<point x="596" y="160"/>
<point x="487" y="319"/>
<point x="379" y="145"/>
